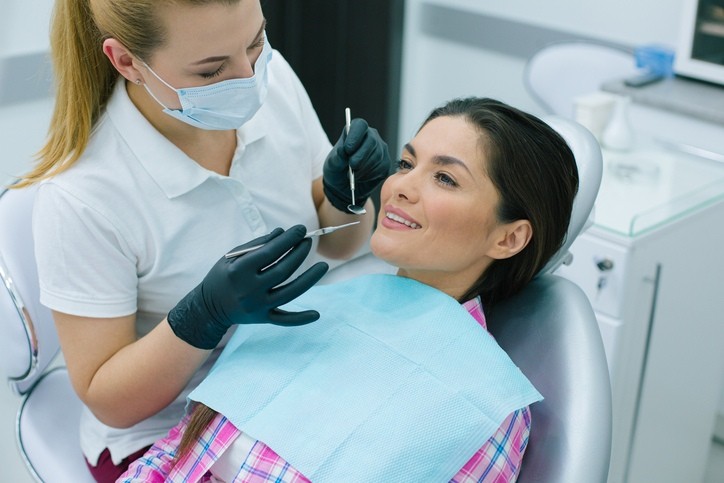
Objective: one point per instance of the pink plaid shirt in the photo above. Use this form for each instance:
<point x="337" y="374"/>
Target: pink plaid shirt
<point x="498" y="461"/>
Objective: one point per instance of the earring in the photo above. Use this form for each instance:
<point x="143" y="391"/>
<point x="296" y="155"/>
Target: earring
<point x="138" y="82"/>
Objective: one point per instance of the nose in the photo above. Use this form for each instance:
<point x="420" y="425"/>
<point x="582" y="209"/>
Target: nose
<point x="245" y="69"/>
<point x="404" y="186"/>
<point x="246" y="66"/>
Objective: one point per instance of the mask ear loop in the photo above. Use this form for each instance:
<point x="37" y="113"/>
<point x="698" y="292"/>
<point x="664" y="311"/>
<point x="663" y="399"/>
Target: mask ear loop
<point x="145" y="86"/>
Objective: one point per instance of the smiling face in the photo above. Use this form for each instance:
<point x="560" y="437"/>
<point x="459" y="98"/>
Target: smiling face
<point x="437" y="220"/>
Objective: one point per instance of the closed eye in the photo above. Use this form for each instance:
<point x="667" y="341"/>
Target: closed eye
<point x="258" y="44"/>
<point x="216" y="73"/>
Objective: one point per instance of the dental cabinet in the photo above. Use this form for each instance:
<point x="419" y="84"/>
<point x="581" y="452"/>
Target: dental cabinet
<point x="651" y="265"/>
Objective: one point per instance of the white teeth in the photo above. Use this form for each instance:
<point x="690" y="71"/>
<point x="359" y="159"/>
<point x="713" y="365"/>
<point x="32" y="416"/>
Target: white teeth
<point x="400" y="219"/>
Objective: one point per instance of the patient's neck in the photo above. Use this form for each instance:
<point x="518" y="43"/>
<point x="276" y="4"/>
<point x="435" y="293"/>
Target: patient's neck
<point x="453" y="284"/>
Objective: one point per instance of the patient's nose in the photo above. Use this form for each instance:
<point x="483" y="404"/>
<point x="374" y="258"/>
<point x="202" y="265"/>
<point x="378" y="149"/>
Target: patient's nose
<point x="405" y="188"/>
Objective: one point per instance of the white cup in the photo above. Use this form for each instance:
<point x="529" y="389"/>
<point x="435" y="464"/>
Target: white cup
<point x="593" y="111"/>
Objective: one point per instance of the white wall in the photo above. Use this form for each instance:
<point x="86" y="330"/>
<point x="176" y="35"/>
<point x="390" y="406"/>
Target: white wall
<point x="23" y="43"/>
<point x="436" y="69"/>
<point x="627" y="21"/>
<point x="24" y="26"/>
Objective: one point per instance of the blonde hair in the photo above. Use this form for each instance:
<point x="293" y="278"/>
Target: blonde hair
<point x="84" y="77"/>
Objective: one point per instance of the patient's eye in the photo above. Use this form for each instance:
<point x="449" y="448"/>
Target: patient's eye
<point x="403" y="165"/>
<point x="445" y="179"/>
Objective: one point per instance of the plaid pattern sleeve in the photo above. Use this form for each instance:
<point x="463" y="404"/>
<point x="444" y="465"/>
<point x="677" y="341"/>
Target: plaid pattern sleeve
<point x="159" y="464"/>
<point x="264" y="465"/>
<point x="261" y="464"/>
<point x="155" y="465"/>
<point x="498" y="461"/>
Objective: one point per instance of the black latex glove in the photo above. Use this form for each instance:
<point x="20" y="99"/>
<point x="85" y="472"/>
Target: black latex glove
<point x="246" y="289"/>
<point x="364" y="150"/>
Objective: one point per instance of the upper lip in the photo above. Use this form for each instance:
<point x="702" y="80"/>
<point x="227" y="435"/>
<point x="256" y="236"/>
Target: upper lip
<point x="401" y="213"/>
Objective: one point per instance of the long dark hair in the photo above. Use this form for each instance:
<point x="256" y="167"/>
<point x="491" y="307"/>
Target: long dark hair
<point x="535" y="174"/>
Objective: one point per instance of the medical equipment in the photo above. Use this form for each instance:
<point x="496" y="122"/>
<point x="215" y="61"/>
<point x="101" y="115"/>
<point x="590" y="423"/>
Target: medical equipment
<point x="357" y="210"/>
<point x="310" y="234"/>
<point x="242" y="290"/>
<point x="560" y="72"/>
<point x="698" y="53"/>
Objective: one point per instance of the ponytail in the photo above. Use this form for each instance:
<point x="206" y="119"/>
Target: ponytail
<point x="84" y="80"/>
<point x="84" y="77"/>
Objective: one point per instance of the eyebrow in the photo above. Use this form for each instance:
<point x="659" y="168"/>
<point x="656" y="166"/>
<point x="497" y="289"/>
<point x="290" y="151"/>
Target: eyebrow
<point x="218" y="58"/>
<point x="441" y="159"/>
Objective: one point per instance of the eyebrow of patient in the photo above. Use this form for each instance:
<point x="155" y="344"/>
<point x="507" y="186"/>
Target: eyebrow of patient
<point x="441" y="159"/>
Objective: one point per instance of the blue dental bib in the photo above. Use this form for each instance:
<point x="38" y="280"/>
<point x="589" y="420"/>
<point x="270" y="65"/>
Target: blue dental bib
<point x="395" y="382"/>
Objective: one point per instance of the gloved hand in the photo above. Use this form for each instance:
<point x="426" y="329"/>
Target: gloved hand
<point x="246" y="289"/>
<point x="364" y="150"/>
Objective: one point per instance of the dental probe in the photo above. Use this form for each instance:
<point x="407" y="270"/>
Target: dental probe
<point x="310" y="234"/>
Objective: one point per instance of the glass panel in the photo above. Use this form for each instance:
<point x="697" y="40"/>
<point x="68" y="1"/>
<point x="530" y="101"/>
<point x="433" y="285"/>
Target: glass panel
<point x="645" y="189"/>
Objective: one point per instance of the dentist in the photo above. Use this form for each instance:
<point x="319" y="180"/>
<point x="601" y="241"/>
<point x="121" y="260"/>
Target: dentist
<point x="178" y="133"/>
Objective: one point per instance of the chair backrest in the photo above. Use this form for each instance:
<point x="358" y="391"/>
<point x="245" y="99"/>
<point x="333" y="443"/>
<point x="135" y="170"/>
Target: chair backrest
<point x="590" y="172"/>
<point x="48" y="419"/>
<point x="550" y="331"/>
<point x="559" y="72"/>
<point x="28" y="340"/>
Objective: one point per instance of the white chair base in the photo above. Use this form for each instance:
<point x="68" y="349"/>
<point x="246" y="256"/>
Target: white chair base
<point x="48" y="420"/>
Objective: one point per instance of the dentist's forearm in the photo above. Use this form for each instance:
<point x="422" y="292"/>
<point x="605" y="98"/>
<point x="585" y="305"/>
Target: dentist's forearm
<point x="123" y="380"/>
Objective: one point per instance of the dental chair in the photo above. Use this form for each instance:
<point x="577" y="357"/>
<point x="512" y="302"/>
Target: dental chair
<point x="559" y="72"/>
<point x="47" y="424"/>
<point x="550" y="331"/>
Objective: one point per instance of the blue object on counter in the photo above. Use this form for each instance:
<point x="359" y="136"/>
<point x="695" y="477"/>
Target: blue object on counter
<point x="656" y="59"/>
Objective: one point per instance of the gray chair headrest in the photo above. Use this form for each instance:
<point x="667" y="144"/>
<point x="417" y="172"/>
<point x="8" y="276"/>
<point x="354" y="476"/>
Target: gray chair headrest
<point x="590" y="170"/>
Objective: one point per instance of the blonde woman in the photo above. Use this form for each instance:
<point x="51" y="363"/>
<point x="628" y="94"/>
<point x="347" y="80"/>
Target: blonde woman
<point x="178" y="134"/>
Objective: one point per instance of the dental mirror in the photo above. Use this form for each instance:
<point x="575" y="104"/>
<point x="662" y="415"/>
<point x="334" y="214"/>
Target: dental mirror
<point x="357" y="210"/>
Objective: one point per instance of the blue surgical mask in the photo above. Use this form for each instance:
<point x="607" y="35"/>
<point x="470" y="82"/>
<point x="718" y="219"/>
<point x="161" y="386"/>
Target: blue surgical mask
<point x="224" y="105"/>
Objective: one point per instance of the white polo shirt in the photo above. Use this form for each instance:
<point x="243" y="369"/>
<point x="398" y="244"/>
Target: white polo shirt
<point x="135" y="224"/>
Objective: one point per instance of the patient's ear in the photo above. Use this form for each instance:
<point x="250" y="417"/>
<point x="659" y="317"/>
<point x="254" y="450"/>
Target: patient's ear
<point x="511" y="239"/>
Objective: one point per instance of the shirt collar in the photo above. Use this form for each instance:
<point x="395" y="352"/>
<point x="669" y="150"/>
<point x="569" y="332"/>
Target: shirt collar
<point x="170" y="168"/>
<point x="475" y="308"/>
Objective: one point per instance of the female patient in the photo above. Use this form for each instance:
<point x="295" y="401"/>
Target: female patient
<point x="480" y="201"/>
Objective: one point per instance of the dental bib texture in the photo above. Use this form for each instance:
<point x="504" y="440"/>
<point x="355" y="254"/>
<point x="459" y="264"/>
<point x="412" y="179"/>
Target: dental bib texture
<point x="395" y="382"/>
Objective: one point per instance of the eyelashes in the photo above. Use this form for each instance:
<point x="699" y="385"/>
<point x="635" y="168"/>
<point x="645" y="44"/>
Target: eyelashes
<point x="216" y="73"/>
<point x="440" y="177"/>
<point x="210" y="75"/>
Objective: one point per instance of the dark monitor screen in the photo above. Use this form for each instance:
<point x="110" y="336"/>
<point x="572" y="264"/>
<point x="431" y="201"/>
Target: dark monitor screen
<point x="700" y="53"/>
